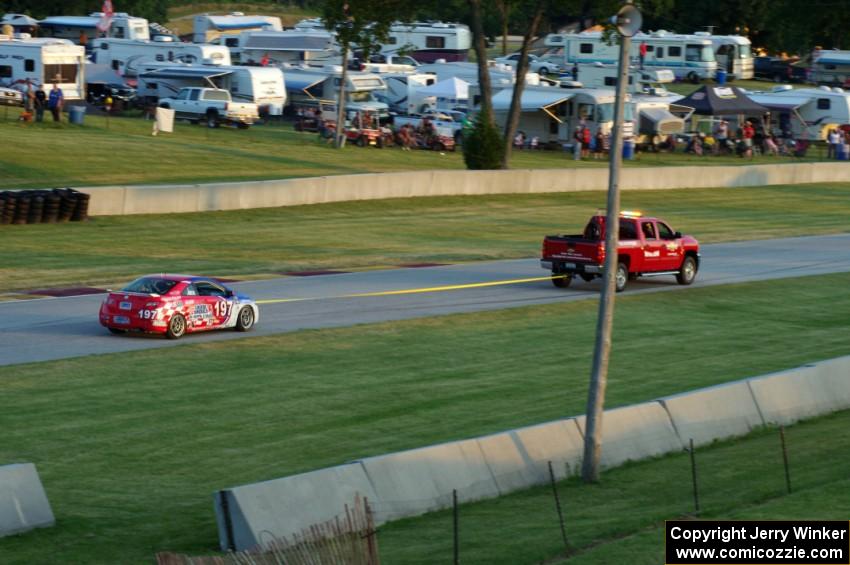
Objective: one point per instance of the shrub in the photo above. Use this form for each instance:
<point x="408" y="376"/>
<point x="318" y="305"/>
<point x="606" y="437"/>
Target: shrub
<point x="483" y="145"/>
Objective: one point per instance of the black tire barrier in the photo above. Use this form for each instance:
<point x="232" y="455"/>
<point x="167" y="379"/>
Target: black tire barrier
<point x="43" y="206"/>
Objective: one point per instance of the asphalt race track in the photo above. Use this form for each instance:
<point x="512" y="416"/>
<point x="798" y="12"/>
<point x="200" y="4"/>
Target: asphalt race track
<point x="57" y="328"/>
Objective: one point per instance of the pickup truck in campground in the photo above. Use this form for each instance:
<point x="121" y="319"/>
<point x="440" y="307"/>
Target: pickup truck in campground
<point x="213" y="106"/>
<point x="647" y="247"/>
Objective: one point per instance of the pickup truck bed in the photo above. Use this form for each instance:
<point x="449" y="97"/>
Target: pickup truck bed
<point x="647" y="247"/>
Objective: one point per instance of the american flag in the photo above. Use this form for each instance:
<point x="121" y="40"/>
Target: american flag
<point x="106" y="18"/>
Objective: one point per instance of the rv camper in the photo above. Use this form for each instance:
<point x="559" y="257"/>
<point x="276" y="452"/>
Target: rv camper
<point x="123" y="26"/>
<point x="208" y="28"/>
<point x="263" y="86"/>
<point x="733" y="53"/>
<point x="307" y="87"/>
<point x="312" y="47"/>
<point x="690" y="57"/>
<point x="43" y="61"/>
<point x="806" y="112"/>
<point x="127" y="55"/>
<point x="831" y="67"/>
<point x="403" y="92"/>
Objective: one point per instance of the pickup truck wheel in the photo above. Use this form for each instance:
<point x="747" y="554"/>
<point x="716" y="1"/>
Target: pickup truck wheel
<point x="687" y="272"/>
<point x="561" y="280"/>
<point x="622" y="277"/>
<point x="212" y="119"/>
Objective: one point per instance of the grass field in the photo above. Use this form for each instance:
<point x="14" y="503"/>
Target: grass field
<point x="122" y="151"/>
<point x="621" y="519"/>
<point x="111" y="250"/>
<point x="131" y="446"/>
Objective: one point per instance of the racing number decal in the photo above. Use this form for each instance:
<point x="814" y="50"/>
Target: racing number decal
<point x="147" y="314"/>
<point x="222" y="309"/>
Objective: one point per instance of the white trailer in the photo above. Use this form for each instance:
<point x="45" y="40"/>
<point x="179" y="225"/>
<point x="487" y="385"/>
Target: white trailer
<point x="831" y="67"/>
<point x="806" y="112"/>
<point x="403" y="92"/>
<point x="690" y="57"/>
<point x="309" y="86"/>
<point x="207" y="28"/>
<point x="127" y="55"/>
<point x="734" y="54"/>
<point x="263" y="86"/>
<point x="312" y="47"/>
<point x="123" y="26"/>
<point x="43" y="61"/>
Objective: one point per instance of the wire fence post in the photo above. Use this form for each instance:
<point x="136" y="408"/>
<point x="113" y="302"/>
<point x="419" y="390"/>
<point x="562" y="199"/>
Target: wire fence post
<point x="456" y="560"/>
<point x="558" y="508"/>
<point x="785" y="458"/>
<point x="694" y="477"/>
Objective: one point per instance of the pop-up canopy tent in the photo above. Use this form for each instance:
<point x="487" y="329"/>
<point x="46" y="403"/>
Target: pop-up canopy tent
<point x="722" y="101"/>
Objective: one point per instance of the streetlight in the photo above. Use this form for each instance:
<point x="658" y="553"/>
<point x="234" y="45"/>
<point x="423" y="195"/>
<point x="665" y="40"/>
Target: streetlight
<point x="628" y="21"/>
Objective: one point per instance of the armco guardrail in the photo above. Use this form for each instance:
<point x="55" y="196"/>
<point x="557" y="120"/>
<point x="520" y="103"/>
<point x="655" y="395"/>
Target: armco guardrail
<point x="413" y="482"/>
<point x="125" y="200"/>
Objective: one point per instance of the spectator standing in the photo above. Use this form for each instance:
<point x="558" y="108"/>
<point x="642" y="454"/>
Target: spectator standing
<point x="834" y="139"/>
<point x="721" y="134"/>
<point x="599" y="148"/>
<point x="40" y="103"/>
<point x="575" y="71"/>
<point x="29" y="96"/>
<point x="55" y="101"/>
<point x="642" y="53"/>
<point x="585" y="142"/>
<point x="519" y="140"/>
<point x="577" y="141"/>
<point x="748" y="133"/>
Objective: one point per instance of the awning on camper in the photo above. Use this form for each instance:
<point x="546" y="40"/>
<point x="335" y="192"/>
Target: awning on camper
<point x="239" y="22"/>
<point x="532" y="100"/>
<point x="284" y="42"/>
<point x="780" y="102"/>
<point x="70" y="21"/>
<point x="296" y="81"/>
<point x="179" y="72"/>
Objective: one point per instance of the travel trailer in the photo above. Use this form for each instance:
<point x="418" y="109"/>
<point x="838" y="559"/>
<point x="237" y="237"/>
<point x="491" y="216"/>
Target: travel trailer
<point x="43" y="61"/>
<point x="734" y="54"/>
<point x="403" y="92"/>
<point x="207" y="28"/>
<point x="552" y="113"/>
<point x="806" y="112"/>
<point x="126" y="55"/>
<point x="313" y="47"/>
<point x="690" y="57"/>
<point x="123" y="26"/>
<point x="501" y="76"/>
<point x="263" y="86"/>
<point x="426" y="42"/>
<point x="309" y="86"/>
<point x="831" y="67"/>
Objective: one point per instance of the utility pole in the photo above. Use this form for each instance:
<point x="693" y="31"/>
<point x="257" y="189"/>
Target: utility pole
<point x="628" y="21"/>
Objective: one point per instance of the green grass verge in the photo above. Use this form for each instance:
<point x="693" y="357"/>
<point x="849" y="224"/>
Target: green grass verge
<point x="110" y="250"/>
<point x="122" y="151"/>
<point x="621" y="519"/>
<point x="131" y="446"/>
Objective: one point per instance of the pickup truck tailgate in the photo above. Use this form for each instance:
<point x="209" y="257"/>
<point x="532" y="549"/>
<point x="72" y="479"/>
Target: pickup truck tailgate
<point x="572" y="248"/>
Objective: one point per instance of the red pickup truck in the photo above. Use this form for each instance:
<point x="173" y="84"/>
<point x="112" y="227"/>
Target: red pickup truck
<point x="647" y="247"/>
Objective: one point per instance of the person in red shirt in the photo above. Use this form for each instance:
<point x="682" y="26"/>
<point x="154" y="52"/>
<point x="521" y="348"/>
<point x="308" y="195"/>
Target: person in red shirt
<point x="585" y="142"/>
<point x="748" y="134"/>
<point x="642" y="53"/>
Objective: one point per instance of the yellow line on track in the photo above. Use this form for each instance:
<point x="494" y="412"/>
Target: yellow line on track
<point x="415" y="290"/>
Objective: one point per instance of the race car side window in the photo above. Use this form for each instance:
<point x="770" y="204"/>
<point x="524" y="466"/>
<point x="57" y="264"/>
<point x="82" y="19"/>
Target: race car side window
<point x="209" y="289"/>
<point x="190" y="290"/>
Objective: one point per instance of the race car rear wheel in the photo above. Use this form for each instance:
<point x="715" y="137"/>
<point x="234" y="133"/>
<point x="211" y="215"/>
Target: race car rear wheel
<point x="245" y="321"/>
<point x="176" y="327"/>
<point x="117" y="331"/>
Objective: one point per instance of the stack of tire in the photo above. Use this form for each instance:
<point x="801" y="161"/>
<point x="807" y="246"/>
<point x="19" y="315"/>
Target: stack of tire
<point x="43" y="206"/>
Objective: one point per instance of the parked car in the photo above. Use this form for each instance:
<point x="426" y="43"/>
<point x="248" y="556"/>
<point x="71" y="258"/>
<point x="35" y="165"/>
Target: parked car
<point x="175" y="305"/>
<point x="541" y="65"/>
<point x="778" y="69"/>
<point x="11" y="97"/>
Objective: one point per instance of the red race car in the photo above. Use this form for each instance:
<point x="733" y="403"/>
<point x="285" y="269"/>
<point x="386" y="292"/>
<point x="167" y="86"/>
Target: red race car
<point x="175" y="305"/>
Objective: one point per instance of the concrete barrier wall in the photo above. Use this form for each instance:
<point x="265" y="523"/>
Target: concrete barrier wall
<point x="713" y="413"/>
<point x="254" y="514"/>
<point x="635" y="432"/>
<point x="23" y="502"/>
<point x="421" y="480"/>
<point x="121" y="200"/>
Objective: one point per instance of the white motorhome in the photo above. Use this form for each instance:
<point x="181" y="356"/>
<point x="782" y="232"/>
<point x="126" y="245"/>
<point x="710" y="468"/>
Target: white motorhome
<point x="127" y="55"/>
<point x="309" y="86"/>
<point x="428" y="41"/>
<point x="313" y="47"/>
<point x="734" y="54"/>
<point x="207" y="28"/>
<point x="831" y="67"/>
<point x="552" y="113"/>
<point x="123" y="26"/>
<point x="263" y="86"/>
<point x="403" y="92"/>
<point x="690" y="57"/>
<point x="43" y="61"/>
<point x="806" y="112"/>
